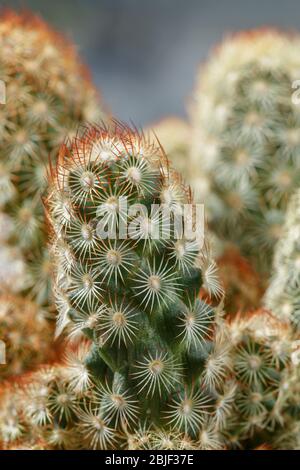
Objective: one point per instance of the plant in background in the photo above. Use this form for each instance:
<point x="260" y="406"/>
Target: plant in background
<point x="135" y="297"/>
<point x="246" y="139"/>
<point x="47" y="94"/>
<point x="283" y="294"/>
<point x="266" y="402"/>
<point x="241" y="283"/>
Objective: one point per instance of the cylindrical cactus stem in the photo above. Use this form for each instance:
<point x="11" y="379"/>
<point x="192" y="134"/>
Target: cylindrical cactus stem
<point x="246" y="139"/>
<point x="134" y="292"/>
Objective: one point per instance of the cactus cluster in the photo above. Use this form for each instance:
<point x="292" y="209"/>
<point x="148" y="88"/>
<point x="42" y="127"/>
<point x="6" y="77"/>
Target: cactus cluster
<point x="253" y="399"/>
<point x="157" y="366"/>
<point x="58" y="407"/>
<point x="246" y="139"/>
<point x="152" y="360"/>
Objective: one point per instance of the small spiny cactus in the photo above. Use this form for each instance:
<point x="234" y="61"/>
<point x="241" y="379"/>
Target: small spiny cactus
<point x="135" y="297"/>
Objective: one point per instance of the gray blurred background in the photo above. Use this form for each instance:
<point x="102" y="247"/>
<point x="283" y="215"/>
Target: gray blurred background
<point x="144" y="54"/>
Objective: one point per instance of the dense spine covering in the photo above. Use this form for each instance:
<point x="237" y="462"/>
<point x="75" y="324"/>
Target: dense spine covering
<point x="137" y="299"/>
<point x="48" y="93"/>
<point x="39" y="411"/>
<point x="57" y="407"/>
<point x="266" y="402"/>
<point x="283" y="294"/>
<point x="248" y="372"/>
<point x="244" y="288"/>
<point x="245" y="143"/>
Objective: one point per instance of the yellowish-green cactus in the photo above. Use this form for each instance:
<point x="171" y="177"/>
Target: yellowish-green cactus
<point x="135" y="296"/>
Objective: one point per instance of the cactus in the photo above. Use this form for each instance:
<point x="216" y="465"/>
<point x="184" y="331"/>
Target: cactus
<point x="47" y="94"/>
<point x="136" y="297"/>
<point x="262" y="358"/>
<point x="246" y="141"/>
<point x="67" y="406"/>
<point x="168" y="369"/>
<point x="283" y="294"/>
<point x="54" y="408"/>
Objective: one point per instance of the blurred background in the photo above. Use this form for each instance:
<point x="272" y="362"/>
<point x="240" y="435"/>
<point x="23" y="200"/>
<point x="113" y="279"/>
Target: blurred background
<point x="144" y="54"/>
